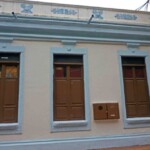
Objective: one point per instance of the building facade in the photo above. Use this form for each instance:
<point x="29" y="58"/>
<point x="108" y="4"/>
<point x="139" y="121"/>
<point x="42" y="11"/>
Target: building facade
<point x="73" y="76"/>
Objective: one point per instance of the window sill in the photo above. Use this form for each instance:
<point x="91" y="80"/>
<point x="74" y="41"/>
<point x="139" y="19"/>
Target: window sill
<point x="8" y="126"/>
<point x="69" y="123"/>
<point x="137" y="122"/>
<point x="78" y="125"/>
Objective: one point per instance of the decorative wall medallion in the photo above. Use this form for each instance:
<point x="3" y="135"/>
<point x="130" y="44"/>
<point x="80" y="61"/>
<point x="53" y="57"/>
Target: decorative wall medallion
<point x="27" y="8"/>
<point x="64" y="11"/>
<point x="98" y="14"/>
<point x="126" y="16"/>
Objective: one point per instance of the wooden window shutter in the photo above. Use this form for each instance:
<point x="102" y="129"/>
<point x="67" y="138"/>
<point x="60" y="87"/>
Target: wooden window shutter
<point x="68" y="88"/>
<point x="9" y="80"/>
<point x="76" y="93"/>
<point x="136" y="87"/>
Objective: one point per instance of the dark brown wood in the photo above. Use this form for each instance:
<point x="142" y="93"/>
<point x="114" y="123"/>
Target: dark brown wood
<point x="9" y="93"/>
<point x="136" y="90"/>
<point x="1" y="95"/>
<point x="113" y="110"/>
<point x="100" y="111"/>
<point x="10" y="62"/>
<point x="68" y="92"/>
<point x="104" y="111"/>
<point x="133" y="65"/>
<point x="67" y="63"/>
<point x="60" y="99"/>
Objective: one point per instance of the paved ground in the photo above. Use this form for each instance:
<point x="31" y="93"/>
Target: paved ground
<point x="146" y="147"/>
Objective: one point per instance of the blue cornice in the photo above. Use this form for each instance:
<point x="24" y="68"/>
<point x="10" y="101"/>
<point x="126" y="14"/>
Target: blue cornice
<point x="61" y="29"/>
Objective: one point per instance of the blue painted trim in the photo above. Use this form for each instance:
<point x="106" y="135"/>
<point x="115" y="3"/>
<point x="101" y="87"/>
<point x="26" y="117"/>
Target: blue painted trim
<point x="60" y="37"/>
<point x="78" y="143"/>
<point x="133" y="122"/>
<point x="98" y="13"/>
<point x="79" y="30"/>
<point x="69" y="42"/>
<point x="64" y="11"/>
<point x="133" y="45"/>
<point x="126" y="16"/>
<point x="33" y="19"/>
<point x="26" y="8"/>
<point x="5" y="40"/>
<point x="7" y="48"/>
<point x="57" y="126"/>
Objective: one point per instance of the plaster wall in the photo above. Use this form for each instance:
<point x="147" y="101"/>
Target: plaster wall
<point x="73" y="12"/>
<point x="104" y="86"/>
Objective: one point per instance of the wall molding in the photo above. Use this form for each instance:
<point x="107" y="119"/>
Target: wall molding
<point x="78" y="143"/>
<point x="133" y="45"/>
<point x="69" y="42"/>
<point x="6" y="40"/>
<point x="65" y="29"/>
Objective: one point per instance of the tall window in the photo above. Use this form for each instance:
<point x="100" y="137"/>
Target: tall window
<point x="68" y="88"/>
<point x="136" y="87"/>
<point x="9" y="80"/>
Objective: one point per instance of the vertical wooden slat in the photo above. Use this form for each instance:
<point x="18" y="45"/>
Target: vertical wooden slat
<point x="136" y="91"/>
<point x="61" y="98"/>
<point x="77" y="94"/>
<point x="1" y="93"/>
<point x="69" y="94"/>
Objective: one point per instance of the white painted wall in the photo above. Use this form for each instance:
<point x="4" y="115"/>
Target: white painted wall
<point x="81" y="12"/>
<point x="104" y="86"/>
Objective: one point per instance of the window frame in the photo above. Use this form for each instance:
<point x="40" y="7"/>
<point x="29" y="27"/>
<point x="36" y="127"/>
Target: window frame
<point x="77" y="125"/>
<point x="136" y="122"/>
<point x="15" y="128"/>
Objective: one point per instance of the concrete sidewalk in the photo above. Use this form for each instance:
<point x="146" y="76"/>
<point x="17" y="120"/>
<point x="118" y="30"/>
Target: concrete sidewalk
<point x="144" y="147"/>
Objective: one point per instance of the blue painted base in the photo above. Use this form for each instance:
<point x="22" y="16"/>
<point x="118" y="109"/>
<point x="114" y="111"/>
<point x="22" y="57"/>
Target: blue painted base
<point x="78" y="143"/>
